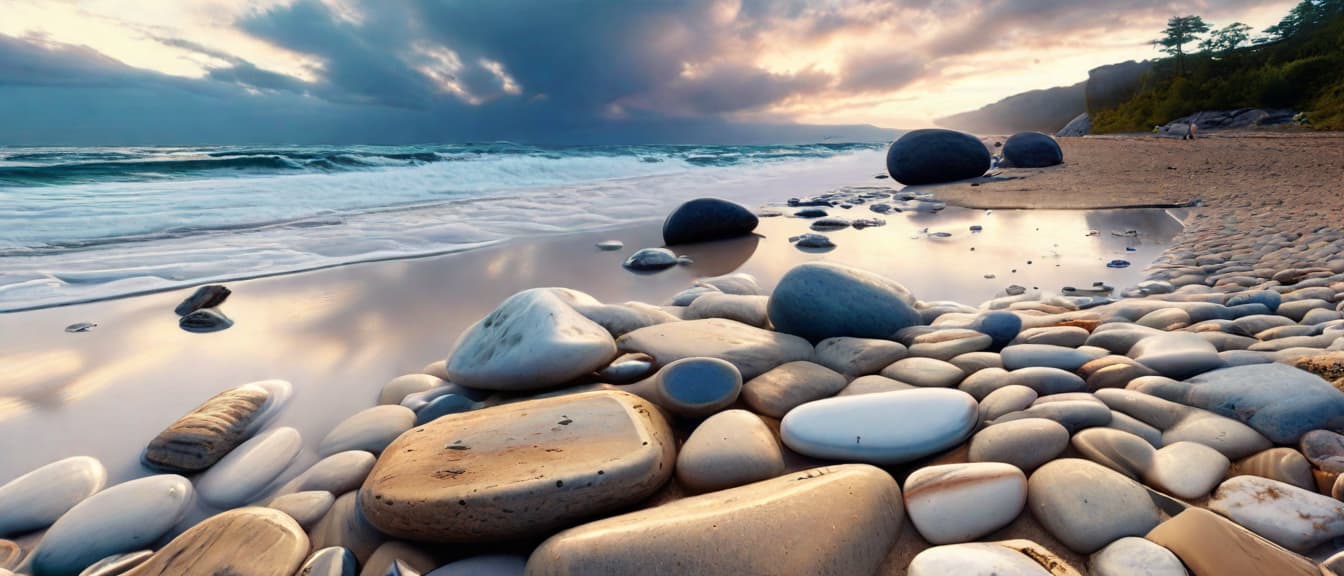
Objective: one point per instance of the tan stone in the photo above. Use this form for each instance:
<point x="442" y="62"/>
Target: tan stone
<point x="1283" y="464"/>
<point x="240" y="542"/>
<point x="10" y="554"/>
<point x="519" y="469"/>
<point x="1209" y="544"/>
<point x="838" y="520"/>
<point x="196" y="441"/>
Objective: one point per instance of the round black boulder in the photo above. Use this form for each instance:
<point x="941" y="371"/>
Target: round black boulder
<point x="1032" y="150"/>
<point x="706" y="219"/>
<point x="933" y="156"/>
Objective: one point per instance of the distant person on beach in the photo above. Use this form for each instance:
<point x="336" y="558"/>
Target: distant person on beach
<point x="1191" y="131"/>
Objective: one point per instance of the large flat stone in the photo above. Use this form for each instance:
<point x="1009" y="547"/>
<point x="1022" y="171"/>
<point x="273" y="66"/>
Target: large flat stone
<point x="240" y="542"/>
<point x="519" y="469"/>
<point x="839" y="520"/>
<point x="753" y="350"/>
<point x="1210" y="544"/>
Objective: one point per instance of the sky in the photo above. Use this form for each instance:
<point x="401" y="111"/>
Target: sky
<point x="546" y="71"/>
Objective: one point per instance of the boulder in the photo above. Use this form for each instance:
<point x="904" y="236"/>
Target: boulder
<point x="769" y="527"/>
<point x="533" y="340"/>
<point x="705" y="219"/>
<point x="820" y="300"/>
<point x="1032" y="150"/>
<point x="934" y="156"/>
<point x="463" y="477"/>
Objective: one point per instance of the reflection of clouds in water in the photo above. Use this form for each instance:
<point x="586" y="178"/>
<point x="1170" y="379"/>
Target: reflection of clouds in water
<point x="37" y="379"/>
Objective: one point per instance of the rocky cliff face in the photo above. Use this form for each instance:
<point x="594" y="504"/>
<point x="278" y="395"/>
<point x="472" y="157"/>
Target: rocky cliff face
<point x="1038" y="110"/>
<point x="1109" y="86"/>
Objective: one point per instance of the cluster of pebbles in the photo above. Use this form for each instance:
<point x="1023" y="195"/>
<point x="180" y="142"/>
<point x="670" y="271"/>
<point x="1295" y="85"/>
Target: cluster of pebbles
<point x="835" y="426"/>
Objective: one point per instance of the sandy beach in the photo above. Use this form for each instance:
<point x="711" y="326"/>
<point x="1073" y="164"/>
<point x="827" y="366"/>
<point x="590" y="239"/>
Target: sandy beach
<point x="1176" y="210"/>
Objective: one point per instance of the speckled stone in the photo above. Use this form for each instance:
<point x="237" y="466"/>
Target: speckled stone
<point x="1294" y="518"/>
<point x="768" y="527"/>
<point x="459" y="478"/>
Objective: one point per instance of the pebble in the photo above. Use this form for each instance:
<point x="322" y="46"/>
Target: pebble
<point x="814" y="241"/>
<point x="1132" y="556"/>
<point x="1074" y="415"/>
<point x="961" y="502"/>
<point x="929" y="346"/>
<point x="925" y="372"/>
<point x="1291" y="517"/>
<point x="488" y="565"/>
<point x="1283" y="464"/>
<point x="241" y="475"/>
<point x="306" y="508"/>
<point x="534" y="339"/>
<point x="1209" y="544"/>
<point x="443" y="406"/>
<point x="1045" y="381"/>
<point x="856" y="357"/>
<point x="820" y="300"/>
<point x="974" y="559"/>
<point x="338" y="473"/>
<point x="36" y="499"/>
<point x="729" y="449"/>
<point x="1002" y="327"/>
<point x="1186" y="469"/>
<point x="697" y="387"/>
<point x="1086" y="506"/>
<point x="610" y="245"/>
<point x="789" y="385"/>
<point x="400" y="387"/>
<point x="651" y="260"/>
<point x="330" y="561"/>
<point x="204" y="321"/>
<point x="117" y="564"/>
<point x="562" y="459"/>
<point x="201" y="438"/>
<point x="1026" y="443"/>
<point x="1184" y="423"/>
<point x="768" y="527"/>
<point x="1068" y="336"/>
<point x="873" y="384"/>
<point x="626" y="369"/>
<point x="208" y="296"/>
<point x="1324" y="449"/>
<point x="745" y="309"/>
<point x="245" y="541"/>
<point x="1005" y="400"/>
<point x="1019" y="356"/>
<point x="1176" y="355"/>
<point x="345" y="526"/>
<point x="754" y="351"/>
<point x="398" y="559"/>
<point x="885" y="428"/>
<point x="1119" y="451"/>
<point x="10" y="554"/>
<point x="972" y="362"/>
<point x="126" y="517"/>
<point x="370" y="430"/>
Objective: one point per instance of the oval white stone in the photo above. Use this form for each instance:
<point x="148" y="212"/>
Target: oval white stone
<point x="961" y="502"/>
<point x="371" y="429"/>
<point x="38" y="498"/>
<point x="883" y="428"/>
<point x="241" y="475"/>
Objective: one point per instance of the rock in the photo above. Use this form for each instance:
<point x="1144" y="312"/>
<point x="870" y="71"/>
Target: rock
<point x="1209" y="544"/>
<point x="729" y="449"/>
<point x="764" y="528"/>
<point x="1086" y="506"/>
<point x="402" y="386"/>
<point x="925" y="372"/>
<point x="930" y="346"/>
<point x="934" y="156"/>
<point x="1334" y="565"/>
<point x="1120" y="451"/>
<point x="1081" y="125"/>
<point x="1074" y="415"/>
<point x="820" y="300"/>
<point x="345" y="526"/>
<point x="129" y="516"/>
<point x="745" y="309"/>
<point x="242" y="542"/>
<point x="80" y="327"/>
<point x="306" y="508"/>
<point x="1329" y="366"/>
<point x="1186" y="469"/>
<point x="962" y="502"/>
<point x="491" y="565"/>
<point x="1032" y="150"/>
<point x="1291" y="517"/>
<point x="974" y="559"/>
<point x="1179" y="422"/>
<point x="10" y="554"/>
<point x="697" y="387"/>
<point x="36" y="499"/>
<point x="984" y="382"/>
<point x="533" y="340"/>
<point x="785" y="387"/>
<point x="626" y="369"/>
<point x="443" y="406"/>
<point x="437" y="369"/>
<point x="244" y="472"/>
<point x="1282" y="464"/>
<point x="651" y="260"/>
<point x="856" y="357"/>
<point x="873" y="384"/>
<point x="398" y="559"/>
<point x="886" y="428"/>
<point x="972" y="362"/>
<point x="369" y="430"/>
<point x="819" y="242"/>
<point x="1279" y="401"/>
<point x="753" y="350"/>
<point x="1067" y="336"/>
<point x="205" y="320"/>
<point x="1165" y="319"/>
<point x="561" y="459"/>
<point x="1046" y="381"/>
<point x="1177" y="355"/>
<point x="208" y="296"/>
<point x="338" y="473"/>
<point x="117" y="564"/>
<point x="1001" y="326"/>
<point x="618" y="319"/>
<point x="1020" y="356"/>
<point x="610" y="245"/>
<point x="1005" y="400"/>
<point x="737" y="283"/>
<point x="1132" y="556"/>
<point x="706" y="219"/>
<point x="332" y="561"/>
<point x="1324" y="449"/>
<point x="196" y="441"/>
<point x="1126" y="423"/>
<point x="829" y="224"/>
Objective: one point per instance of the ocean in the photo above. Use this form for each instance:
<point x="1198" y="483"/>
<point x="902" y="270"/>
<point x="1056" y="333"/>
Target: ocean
<point x="89" y="223"/>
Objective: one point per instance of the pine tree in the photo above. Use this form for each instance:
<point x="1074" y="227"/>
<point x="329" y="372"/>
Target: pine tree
<point x="1181" y="30"/>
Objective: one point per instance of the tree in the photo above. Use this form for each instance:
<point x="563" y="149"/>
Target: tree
<point x="1307" y="14"/>
<point x="1227" y="39"/>
<point x="1181" y="30"/>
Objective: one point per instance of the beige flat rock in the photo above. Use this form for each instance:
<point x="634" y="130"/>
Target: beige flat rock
<point x="240" y="542"/>
<point x="196" y="441"/>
